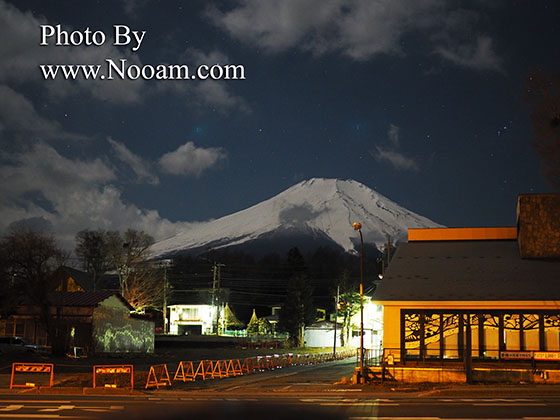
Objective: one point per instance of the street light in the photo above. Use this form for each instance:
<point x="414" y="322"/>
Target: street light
<point x="358" y="227"/>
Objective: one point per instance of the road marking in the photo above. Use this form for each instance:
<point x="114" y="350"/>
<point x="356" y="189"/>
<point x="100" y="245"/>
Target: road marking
<point x="40" y="401"/>
<point x="342" y="390"/>
<point x="496" y="404"/>
<point x="402" y="418"/>
<point x="374" y="404"/>
<point x="11" y="408"/>
<point x="40" y="416"/>
<point x="60" y="408"/>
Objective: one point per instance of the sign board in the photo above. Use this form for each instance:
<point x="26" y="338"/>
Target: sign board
<point x="109" y="370"/>
<point x="113" y="376"/>
<point x="547" y="355"/>
<point x="33" y="368"/>
<point x="22" y="372"/>
<point x="516" y="355"/>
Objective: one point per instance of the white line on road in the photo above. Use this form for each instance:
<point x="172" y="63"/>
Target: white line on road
<point x="402" y="418"/>
<point x="497" y="404"/>
<point x="12" y="407"/>
<point x="375" y="404"/>
<point x="40" y="416"/>
<point x="59" y="408"/>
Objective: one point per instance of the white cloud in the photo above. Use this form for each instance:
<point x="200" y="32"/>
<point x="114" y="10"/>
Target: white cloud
<point x="279" y="25"/>
<point x="190" y="160"/>
<point x="393" y="135"/>
<point x="392" y="154"/>
<point x="359" y="29"/>
<point x="397" y="159"/>
<point x="131" y="7"/>
<point x="205" y="93"/>
<point x="139" y="166"/>
<point x="71" y="195"/>
<point x="480" y="56"/>
<point x="21" y="56"/>
<point x="18" y="116"/>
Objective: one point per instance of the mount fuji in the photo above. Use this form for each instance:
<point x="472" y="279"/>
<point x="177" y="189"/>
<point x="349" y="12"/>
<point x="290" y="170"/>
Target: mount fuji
<point x="314" y="212"/>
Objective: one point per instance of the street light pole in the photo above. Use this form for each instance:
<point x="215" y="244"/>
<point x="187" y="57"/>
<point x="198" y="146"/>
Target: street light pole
<point x="358" y="227"/>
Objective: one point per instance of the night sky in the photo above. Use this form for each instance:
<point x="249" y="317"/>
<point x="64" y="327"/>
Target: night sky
<point x="420" y="100"/>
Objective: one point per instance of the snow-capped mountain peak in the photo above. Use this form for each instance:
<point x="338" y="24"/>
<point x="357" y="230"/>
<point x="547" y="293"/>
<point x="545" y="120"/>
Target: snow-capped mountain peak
<point x="324" y="208"/>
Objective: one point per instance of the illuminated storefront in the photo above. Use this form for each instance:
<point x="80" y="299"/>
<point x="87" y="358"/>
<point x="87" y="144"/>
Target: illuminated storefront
<point x="449" y="294"/>
<point x="442" y="334"/>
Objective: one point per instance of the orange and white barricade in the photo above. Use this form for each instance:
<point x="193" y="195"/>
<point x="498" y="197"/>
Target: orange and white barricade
<point x="30" y="375"/>
<point x="113" y="376"/>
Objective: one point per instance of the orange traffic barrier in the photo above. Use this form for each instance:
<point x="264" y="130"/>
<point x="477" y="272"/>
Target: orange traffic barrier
<point x="208" y="368"/>
<point x="270" y="363"/>
<point x="116" y="374"/>
<point x="34" y="369"/>
<point x="237" y="368"/>
<point x="185" y="372"/>
<point x="229" y="368"/>
<point x="158" y="376"/>
<point x="247" y="365"/>
<point x="220" y="369"/>
<point x="200" y="371"/>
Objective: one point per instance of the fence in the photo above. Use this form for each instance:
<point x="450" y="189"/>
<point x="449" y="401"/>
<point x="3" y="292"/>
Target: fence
<point x="122" y="376"/>
<point x="212" y="369"/>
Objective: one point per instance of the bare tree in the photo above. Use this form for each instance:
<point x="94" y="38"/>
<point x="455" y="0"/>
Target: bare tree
<point x="140" y="283"/>
<point x="29" y="260"/>
<point x="543" y="95"/>
<point x="92" y="250"/>
<point x="145" y="288"/>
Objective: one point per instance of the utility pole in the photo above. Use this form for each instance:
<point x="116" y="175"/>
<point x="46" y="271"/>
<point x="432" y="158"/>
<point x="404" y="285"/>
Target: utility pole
<point x="215" y="289"/>
<point x="164" y="264"/>
<point x="335" y="318"/>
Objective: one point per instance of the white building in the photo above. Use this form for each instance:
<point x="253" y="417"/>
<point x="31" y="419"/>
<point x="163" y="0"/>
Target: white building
<point x="194" y="319"/>
<point x="373" y="327"/>
<point x="321" y="334"/>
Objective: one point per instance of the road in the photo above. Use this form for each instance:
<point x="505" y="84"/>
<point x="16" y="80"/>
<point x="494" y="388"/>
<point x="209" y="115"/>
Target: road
<point x="305" y="392"/>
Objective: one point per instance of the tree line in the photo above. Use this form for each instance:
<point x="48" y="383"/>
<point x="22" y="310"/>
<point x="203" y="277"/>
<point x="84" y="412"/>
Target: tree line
<point x="29" y="260"/>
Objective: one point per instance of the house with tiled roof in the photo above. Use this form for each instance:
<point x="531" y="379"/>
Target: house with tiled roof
<point x="93" y="322"/>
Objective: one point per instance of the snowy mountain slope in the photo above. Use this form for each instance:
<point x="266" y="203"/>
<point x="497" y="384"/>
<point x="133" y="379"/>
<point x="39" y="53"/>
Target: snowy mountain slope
<point x="324" y="208"/>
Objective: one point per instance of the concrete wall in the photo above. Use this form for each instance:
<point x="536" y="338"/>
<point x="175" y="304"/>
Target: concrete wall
<point x="455" y="375"/>
<point x="115" y="331"/>
<point x="320" y="337"/>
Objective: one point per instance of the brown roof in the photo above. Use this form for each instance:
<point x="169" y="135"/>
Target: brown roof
<point x="467" y="270"/>
<point x="83" y="298"/>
